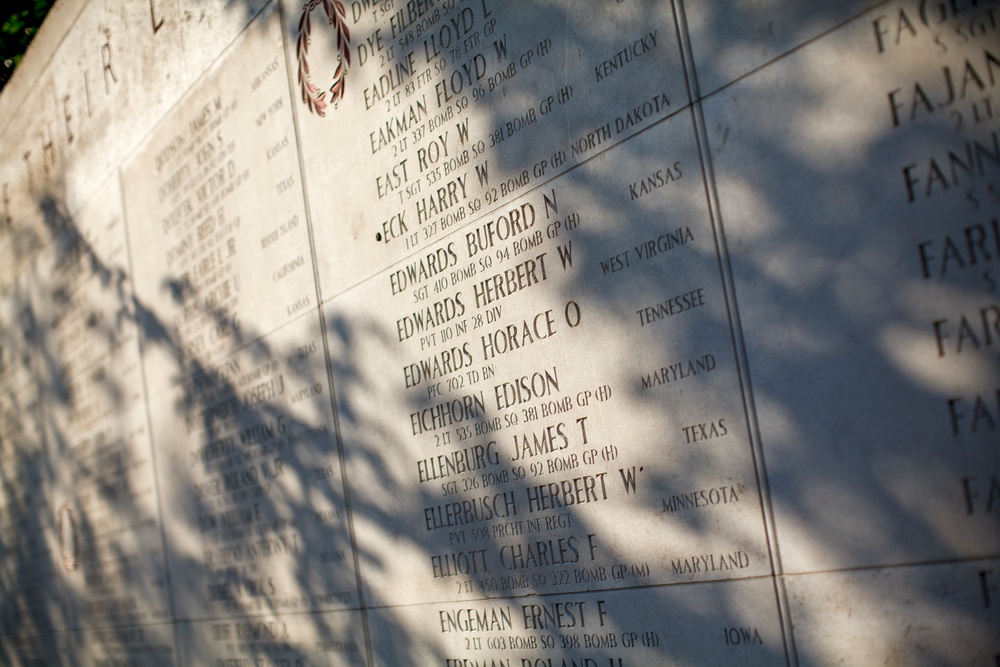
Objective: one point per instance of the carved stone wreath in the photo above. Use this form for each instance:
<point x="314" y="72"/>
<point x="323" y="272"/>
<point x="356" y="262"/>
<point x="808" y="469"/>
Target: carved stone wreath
<point x="314" y="98"/>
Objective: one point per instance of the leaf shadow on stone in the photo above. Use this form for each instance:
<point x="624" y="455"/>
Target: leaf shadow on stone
<point x="387" y="499"/>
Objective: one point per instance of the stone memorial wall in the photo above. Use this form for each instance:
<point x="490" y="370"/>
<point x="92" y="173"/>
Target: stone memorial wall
<point x="475" y="333"/>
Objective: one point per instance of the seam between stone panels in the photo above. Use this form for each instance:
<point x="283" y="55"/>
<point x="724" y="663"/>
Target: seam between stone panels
<point x="735" y="327"/>
<point x="934" y="562"/>
<point x="154" y="464"/>
<point x="331" y="385"/>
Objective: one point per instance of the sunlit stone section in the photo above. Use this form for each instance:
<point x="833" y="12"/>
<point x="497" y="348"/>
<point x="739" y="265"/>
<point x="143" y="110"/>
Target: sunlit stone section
<point x="251" y="484"/>
<point x="858" y="186"/>
<point x="115" y="74"/>
<point x="216" y="218"/>
<point x="936" y="614"/>
<point x="107" y="543"/>
<point x="87" y="344"/>
<point x="18" y="331"/>
<point x="657" y="626"/>
<point x="450" y="109"/>
<point x="208" y="27"/>
<point x="546" y="401"/>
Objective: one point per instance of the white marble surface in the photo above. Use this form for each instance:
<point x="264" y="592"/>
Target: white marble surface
<point x="544" y="402"/>
<point x="463" y="107"/>
<point x="219" y="225"/>
<point x="513" y="355"/>
<point x="869" y="319"/>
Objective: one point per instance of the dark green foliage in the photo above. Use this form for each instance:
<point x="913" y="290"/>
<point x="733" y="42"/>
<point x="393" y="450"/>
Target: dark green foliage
<point x="21" y="19"/>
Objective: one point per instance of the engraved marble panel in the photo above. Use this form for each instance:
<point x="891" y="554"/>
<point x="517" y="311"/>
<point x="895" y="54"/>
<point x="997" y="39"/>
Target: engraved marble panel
<point x="869" y="298"/>
<point x="447" y="110"/>
<point x="108" y="521"/>
<point x="125" y="645"/>
<point x="17" y="332"/>
<point x="498" y="443"/>
<point x="28" y="570"/>
<point x="216" y="220"/>
<point x="20" y="420"/>
<point x="730" y="40"/>
<point x="87" y="345"/>
<point x="210" y="26"/>
<point x="31" y="181"/>
<point x="452" y="332"/>
<point x="251" y="483"/>
<point x="28" y="578"/>
<point x="704" y="624"/>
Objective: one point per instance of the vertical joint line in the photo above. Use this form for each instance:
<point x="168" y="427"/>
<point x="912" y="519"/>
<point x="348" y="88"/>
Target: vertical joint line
<point x="735" y="325"/>
<point x="154" y="465"/>
<point x="339" y="441"/>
